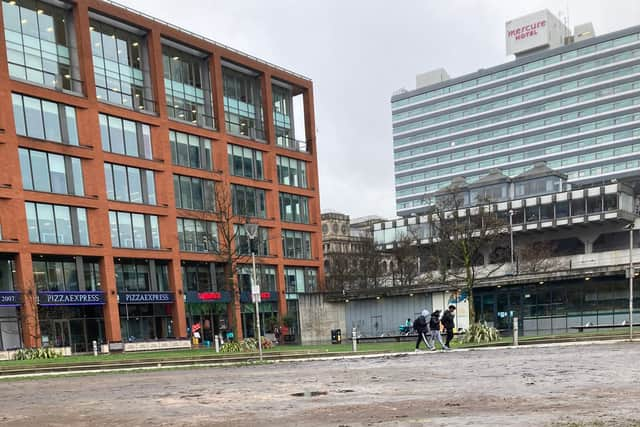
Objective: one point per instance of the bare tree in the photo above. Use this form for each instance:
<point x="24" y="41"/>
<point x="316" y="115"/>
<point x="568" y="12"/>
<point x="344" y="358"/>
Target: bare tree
<point x="405" y="260"/>
<point x="464" y="242"/>
<point x="228" y="231"/>
<point x="536" y="257"/>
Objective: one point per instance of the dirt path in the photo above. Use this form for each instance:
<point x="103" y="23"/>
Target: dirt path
<point x="529" y="386"/>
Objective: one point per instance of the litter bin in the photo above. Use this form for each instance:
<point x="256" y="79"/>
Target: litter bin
<point x="336" y="336"/>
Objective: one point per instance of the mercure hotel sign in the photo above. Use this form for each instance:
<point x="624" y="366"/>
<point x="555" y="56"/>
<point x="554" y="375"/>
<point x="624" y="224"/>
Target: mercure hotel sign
<point x="525" y="31"/>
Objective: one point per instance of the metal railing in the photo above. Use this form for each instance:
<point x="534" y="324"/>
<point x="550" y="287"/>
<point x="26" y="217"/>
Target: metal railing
<point x="293" y="144"/>
<point x="52" y="80"/>
<point x="192" y="116"/>
<point x="244" y="129"/>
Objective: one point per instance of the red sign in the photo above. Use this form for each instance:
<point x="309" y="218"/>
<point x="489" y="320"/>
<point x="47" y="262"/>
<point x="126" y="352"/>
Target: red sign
<point x="208" y="296"/>
<point x="265" y="295"/>
<point x="525" y="31"/>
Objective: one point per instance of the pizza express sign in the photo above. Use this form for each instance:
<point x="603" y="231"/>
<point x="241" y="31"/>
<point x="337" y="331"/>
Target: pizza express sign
<point x="51" y="298"/>
<point x="145" y="298"/>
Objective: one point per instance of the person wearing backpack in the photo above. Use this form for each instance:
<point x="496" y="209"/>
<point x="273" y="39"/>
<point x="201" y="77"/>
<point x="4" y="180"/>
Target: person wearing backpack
<point x="422" y="328"/>
<point x="434" y="325"/>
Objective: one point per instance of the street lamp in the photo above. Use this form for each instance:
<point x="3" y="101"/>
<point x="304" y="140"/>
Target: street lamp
<point x="631" y="271"/>
<point x="252" y="231"/>
<point x="511" y="237"/>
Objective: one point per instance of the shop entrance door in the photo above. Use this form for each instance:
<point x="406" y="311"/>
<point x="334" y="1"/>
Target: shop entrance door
<point x="61" y="333"/>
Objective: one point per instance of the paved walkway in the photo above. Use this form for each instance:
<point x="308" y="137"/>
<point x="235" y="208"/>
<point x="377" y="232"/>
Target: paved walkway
<point x="543" y="385"/>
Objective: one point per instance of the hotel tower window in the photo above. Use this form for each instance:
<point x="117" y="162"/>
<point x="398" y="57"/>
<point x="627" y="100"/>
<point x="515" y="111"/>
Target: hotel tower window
<point x="53" y="173"/>
<point x="120" y="64"/>
<point x="187" y="84"/>
<point x="242" y="101"/>
<point x="41" y="44"/>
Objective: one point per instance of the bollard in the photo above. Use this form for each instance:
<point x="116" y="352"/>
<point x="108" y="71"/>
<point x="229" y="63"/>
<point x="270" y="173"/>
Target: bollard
<point x="515" y="331"/>
<point x="217" y="341"/>
<point x="95" y="348"/>
<point x="354" y="340"/>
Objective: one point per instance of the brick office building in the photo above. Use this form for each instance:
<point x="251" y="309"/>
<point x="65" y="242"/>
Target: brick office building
<point x="117" y="132"/>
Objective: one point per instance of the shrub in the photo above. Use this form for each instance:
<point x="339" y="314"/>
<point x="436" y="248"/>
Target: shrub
<point x="246" y="345"/>
<point x="481" y="333"/>
<point x="37" y="353"/>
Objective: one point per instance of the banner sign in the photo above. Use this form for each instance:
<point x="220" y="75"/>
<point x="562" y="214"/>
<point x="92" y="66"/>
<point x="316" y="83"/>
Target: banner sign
<point x="245" y="297"/>
<point x="52" y="298"/>
<point x="145" y="298"/>
<point x="217" y="296"/>
<point x="9" y="299"/>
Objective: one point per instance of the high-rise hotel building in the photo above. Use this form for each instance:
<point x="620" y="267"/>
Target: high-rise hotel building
<point x="118" y="135"/>
<point x="570" y="100"/>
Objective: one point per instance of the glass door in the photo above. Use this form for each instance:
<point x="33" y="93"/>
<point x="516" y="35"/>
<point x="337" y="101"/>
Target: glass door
<point x="61" y="333"/>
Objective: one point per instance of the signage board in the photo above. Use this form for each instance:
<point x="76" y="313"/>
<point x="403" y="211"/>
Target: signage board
<point x="215" y="296"/>
<point x="55" y="298"/>
<point x="534" y="31"/>
<point x="145" y="297"/>
<point x="9" y="299"/>
<point x="265" y="296"/>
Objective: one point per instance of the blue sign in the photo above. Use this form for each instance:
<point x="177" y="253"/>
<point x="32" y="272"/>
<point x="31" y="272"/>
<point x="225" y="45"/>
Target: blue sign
<point x="52" y="298"/>
<point x="145" y="298"/>
<point x="9" y="299"/>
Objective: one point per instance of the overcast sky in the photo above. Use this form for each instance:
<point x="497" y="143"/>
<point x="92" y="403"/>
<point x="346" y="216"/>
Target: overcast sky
<point x="358" y="53"/>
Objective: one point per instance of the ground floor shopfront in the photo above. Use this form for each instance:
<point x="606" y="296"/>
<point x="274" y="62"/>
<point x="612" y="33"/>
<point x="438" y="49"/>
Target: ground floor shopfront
<point x="551" y="307"/>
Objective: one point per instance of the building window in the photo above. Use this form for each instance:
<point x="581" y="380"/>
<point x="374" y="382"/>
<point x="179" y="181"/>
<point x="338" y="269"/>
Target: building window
<point x="577" y="206"/>
<point x="248" y="201"/>
<point x="265" y="275"/>
<point x="39" y="45"/>
<point x="243" y="103"/>
<point x="197" y="236"/>
<point x="40" y="119"/>
<point x="126" y="137"/>
<point x="594" y="204"/>
<point x="245" y="162"/>
<point x="610" y="202"/>
<point x="53" y="173"/>
<point x="202" y="277"/>
<point x="296" y="244"/>
<point x="57" y="224"/>
<point x="194" y="193"/>
<point x="300" y="280"/>
<point x="190" y="151"/>
<point x="129" y="184"/>
<point x="131" y="230"/>
<point x="75" y="274"/>
<point x="120" y="66"/>
<point x="244" y="245"/>
<point x="133" y="275"/>
<point x="282" y="114"/>
<point x="187" y="86"/>
<point x="292" y="172"/>
<point x="7" y="274"/>
<point x="294" y="208"/>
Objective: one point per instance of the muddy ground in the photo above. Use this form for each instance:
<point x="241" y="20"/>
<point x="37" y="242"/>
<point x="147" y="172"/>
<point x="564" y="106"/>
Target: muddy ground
<point x="552" y="386"/>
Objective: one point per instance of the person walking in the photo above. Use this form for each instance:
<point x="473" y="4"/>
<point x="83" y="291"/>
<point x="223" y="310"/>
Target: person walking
<point x="421" y="325"/>
<point x="434" y="325"/>
<point x="448" y="322"/>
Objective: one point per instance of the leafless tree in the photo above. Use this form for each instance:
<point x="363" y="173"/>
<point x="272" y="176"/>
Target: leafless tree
<point x="536" y="257"/>
<point x="405" y="260"/>
<point x="464" y="243"/>
<point x="228" y="232"/>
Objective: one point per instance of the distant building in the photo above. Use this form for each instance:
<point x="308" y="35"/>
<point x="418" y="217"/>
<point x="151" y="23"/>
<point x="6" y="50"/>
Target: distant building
<point x="568" y="99"/>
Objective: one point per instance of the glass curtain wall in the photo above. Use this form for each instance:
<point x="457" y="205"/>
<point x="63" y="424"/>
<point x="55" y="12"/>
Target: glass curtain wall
<point x="187" y="86"/>
<point x="243" y="103"/>
<point x="120" y="66"/>
<point x="41" y="44"/>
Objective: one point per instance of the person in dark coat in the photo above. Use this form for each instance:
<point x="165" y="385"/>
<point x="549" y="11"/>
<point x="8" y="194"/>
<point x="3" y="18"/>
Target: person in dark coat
<point x="448" y="322"/>
<point x="421" y="325"/>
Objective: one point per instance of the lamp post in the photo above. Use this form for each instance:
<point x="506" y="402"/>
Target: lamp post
<point x="252" y="231"/>
<point x="511" y="237"/>
<point x="630" y="227"/>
